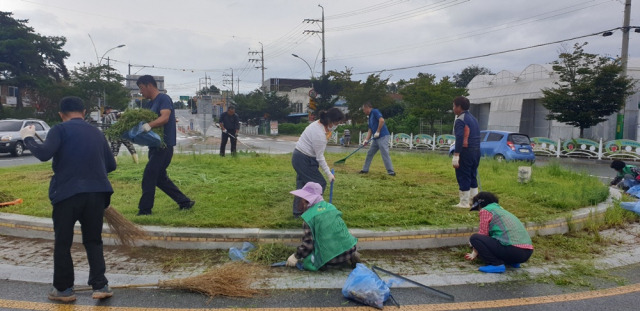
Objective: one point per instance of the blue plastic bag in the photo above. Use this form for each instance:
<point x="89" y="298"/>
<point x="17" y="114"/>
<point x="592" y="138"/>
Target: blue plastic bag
<point x="634" y="191"/>
<point x="364" y="286"/>
<point x="631" y="206"/>
<point x="138" y="136"/>
<point x="240" y="254"/>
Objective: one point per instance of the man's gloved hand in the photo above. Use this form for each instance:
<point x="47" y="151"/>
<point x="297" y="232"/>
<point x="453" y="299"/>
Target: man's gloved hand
<point x="365" y="142"/>
<point x="376" y="135"/>
<point x="224" y="130"/>
<point x="472" y="255"/>
<point x="292" y="260"/>
<point x="146" y="127"/>
<point x="28" y="131"/>
<point x="455" y="161"/>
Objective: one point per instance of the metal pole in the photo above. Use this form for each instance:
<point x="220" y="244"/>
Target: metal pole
<point x="623" y="59"/>
<point x="324" y="60"/>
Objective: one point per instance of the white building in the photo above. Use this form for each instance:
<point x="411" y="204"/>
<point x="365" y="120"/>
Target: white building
<point x="511" y="101"/>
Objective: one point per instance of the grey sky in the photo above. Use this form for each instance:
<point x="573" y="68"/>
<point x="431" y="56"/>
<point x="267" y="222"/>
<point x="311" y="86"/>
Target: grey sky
<point x="186" y="39"/>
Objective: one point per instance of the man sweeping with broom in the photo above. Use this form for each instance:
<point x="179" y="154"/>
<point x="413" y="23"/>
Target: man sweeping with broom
<point x="79" y="191"/>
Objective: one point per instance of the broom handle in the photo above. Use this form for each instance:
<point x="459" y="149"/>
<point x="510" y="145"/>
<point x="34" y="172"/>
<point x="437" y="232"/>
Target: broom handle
<point x="88" y="288"/>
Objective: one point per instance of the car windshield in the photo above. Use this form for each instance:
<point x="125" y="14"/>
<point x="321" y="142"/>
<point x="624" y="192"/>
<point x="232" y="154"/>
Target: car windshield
<point x="519" y="139"/>
<point x="10" y="126"/>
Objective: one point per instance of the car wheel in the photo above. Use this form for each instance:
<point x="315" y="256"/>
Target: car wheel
<point x="499" y="157"/>
<point x="18" y="150"/>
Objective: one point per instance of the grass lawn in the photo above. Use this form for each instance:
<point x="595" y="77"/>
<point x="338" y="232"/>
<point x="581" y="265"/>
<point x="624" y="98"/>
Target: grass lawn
<point x="252" y="191"/>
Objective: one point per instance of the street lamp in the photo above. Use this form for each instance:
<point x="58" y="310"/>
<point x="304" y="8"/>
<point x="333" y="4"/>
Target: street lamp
<point x="104" y="92"/>
<point x="294" y="55"/>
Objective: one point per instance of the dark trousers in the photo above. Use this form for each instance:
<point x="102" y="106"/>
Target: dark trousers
<point x="307" y="169"/>
<point x="467" y="173"/>
<point x="88" y="209"/>
<point x="492" y="252"/>
<point x="155" y="175"/>
<point x="223" y="143"/>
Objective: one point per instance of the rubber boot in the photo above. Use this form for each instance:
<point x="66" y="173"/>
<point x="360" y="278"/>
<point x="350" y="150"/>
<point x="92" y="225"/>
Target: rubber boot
<point x="472" y="193"/>
<point x="464" y="200"/>
<point x="135" y="157"/>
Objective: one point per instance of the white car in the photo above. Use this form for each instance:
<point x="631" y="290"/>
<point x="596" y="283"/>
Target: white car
<point x="10" y="140"/>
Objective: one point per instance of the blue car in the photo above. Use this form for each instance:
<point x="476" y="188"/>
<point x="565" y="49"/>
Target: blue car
<point x="502" y="145"/>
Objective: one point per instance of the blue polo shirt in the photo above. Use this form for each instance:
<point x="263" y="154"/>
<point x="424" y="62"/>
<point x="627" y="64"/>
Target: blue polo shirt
<point x="374" y="118"/>
<point x="161" y="102"/>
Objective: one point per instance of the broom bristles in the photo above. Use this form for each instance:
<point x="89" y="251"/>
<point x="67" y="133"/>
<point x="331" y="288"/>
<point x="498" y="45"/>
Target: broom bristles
<point x="232" y="280"/>
<point x="126" y="231"/>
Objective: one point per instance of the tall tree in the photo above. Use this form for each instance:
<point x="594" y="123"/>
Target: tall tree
<point x="428" y="99"/>
<point x="277" y="107"/>
<point x="250" y="107"/>
<point x="212" y="89"/>
<point x="463" y="78"/>
<point x="26" y="57"/>
<point x="374" y="90"/>
<point x="590" y="88"/>
<point x="93" y="83"/>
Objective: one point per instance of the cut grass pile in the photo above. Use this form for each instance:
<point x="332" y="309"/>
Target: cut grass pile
<point x="252" y="191"/>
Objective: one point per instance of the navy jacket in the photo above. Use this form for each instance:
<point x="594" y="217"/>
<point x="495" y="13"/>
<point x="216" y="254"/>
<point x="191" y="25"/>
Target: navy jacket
<point x="81" y="159"/>
<point x="467" y="132"/>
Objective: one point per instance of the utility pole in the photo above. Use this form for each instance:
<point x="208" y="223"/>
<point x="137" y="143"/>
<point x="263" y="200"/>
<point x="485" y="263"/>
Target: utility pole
<point x="624" y="56"/>
<point x="261" y="61"/>
<point x="206" y="80"/>
<point x="225" y="81"/>
<point x="321" y="31"/>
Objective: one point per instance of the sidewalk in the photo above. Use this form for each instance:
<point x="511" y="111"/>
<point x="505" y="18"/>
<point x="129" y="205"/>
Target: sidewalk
<point x="26" y="253"/>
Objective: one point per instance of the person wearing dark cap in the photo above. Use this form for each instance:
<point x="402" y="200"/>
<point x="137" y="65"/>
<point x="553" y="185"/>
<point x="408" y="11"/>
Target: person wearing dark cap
<point x="111" y="117"/>
<point x="155" y="173"/>
<point x="326" y="239"/>
<point x="628" y="175"/>
<point x="230" y="125"/>
<point x="79" y="191"/>
<point x="501" y="238"/>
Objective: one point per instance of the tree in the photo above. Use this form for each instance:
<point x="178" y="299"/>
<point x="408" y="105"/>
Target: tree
<point x="374" y="90"/>
<point x="277" y="107"/>
<point x="209" y="90"/>
<point x="428" y="99"/>
<point x="329" y="87"/>
<point x="590" y="88"/>
<point x="250" y="107"/>
<point x="92" y="83"/>
<point x="28" y="58"/>
<point x="463" y="78"/>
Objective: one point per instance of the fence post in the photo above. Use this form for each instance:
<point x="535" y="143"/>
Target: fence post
<point x="411" y="141"/>
<point x="391" y="141"/>
<point x="433" y="142"/>
<point x="600" y="150"/>
<point x="558" y="149"/>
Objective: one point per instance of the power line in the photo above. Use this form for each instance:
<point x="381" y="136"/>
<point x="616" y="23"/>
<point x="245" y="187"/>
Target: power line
<point x="484" y="55"/>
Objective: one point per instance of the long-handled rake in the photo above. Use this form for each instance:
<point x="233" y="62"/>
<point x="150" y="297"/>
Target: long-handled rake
<point x="343" y="160"/>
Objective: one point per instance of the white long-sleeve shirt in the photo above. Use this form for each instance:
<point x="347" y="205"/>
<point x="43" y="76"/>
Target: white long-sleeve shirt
<point x="313" y="142"/>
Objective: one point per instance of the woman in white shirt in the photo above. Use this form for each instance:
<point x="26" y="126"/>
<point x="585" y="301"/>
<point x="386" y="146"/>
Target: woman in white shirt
<point x="308" y="156"/>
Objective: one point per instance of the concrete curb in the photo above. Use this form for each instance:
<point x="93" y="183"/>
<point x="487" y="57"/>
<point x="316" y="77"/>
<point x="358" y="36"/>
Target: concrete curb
<point x="224" y="238"/>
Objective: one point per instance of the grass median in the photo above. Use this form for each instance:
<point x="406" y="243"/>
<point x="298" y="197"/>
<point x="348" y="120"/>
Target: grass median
<point x="252" y="191"/>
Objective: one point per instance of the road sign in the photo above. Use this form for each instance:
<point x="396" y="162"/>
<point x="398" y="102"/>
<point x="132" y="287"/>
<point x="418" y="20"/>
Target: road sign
<point x="184" y="97"/>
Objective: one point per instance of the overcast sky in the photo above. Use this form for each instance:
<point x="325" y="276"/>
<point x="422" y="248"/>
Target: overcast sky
<point x="186" y="40"/>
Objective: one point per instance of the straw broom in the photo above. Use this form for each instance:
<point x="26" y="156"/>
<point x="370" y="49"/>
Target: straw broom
<point x="126" y="231"/>
<point x="232" y="279"/>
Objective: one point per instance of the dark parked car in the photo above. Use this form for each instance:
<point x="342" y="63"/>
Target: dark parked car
<point x="502" y="145"/>
<point x="10" y="140"/>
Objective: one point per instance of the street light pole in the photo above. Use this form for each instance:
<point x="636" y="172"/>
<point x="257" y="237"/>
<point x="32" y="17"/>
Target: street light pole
<point x="311" y="70"/>
<point x="104" y="92"/>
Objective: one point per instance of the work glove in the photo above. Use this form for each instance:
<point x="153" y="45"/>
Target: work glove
<point x="365" y="142"/>
<point x="332" y="178"/>
<point x="455" y="161"/>
<point x="472" y="255"/>
<point x="146" y="127"/>
<point x="376" y="135"/>
<point x="27" y="131"/>
<point x="292" y="260"/>
<point x="224" y="130"/>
